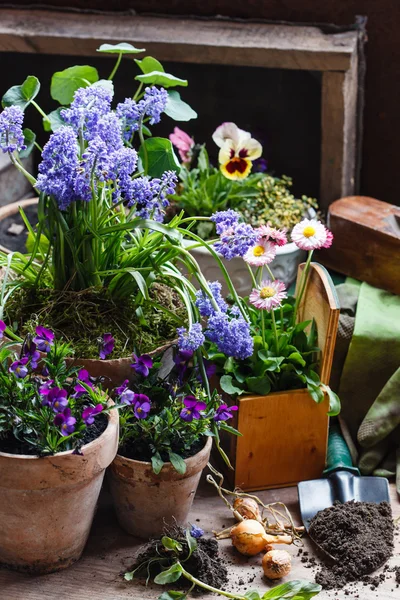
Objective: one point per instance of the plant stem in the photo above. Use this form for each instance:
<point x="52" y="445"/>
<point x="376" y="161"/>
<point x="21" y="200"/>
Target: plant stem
<point x="263" y="327"/>
<point x="143" y="145"/>
<point x="40" y="111"/>
<point x="275" y="332"/>
<point x="115" y="69"/>
<point x="209" y="588"/>
<point x="302" y="286"/>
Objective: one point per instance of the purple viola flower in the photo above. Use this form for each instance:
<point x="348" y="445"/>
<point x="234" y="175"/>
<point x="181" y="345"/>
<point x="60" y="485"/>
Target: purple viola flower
<point x="181" y="360"/>
<point x="90" y="412"/>
<point x="119" y="390"/>
<point x="224" y="412"/>
<point x="44" y="339"/>
<point x="192" y="409"/>
<point x="83" y="377"/>
<point x="11" y="134"/>
<point x="19" y="367"/>
<point x="57" y="399"/>
<point x="65" y="422"/>
<point x="44" y="391"/>
<point x="29" y="350"/>
<point x="211" y="369"/>
<point x="142" y="406"/>
<point x="45" y="371"/>
<point x="142" y="364"/>
<point x="106" y="345"/>
<point x="127" y="397"/>
<point x="196" y="532"/>
<point x="192" y="339"/>
<point x="3" y="327"/>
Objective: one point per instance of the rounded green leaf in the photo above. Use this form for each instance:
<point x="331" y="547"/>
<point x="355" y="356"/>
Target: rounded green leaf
<point x="177" y="462"/>
<point x="149" y="64"/>
<point x="177" y="109"/>
<point x="22" y="95"/>
<point x="228" y="386"/>
<point x="54" y="120"/>
<point x="169" y="576"/>
<point x="122" y="48"/>
<point x="65" y="83"/>
<point x="161" y="156"/>
<point x="160" y="78"/>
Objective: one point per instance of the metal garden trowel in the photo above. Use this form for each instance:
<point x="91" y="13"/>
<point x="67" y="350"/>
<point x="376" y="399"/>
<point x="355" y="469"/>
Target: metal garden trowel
<point x="342" y="481"/>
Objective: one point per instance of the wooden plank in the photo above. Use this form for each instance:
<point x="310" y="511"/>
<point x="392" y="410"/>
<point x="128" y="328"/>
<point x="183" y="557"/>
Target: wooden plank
<point x="183" y="40"/>
<point x="110" y="551"/>
<point x="338" y="135"/>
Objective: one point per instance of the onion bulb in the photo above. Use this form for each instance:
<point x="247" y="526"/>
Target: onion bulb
<point x="276" y="564"/>
<point x="247" y="508"/>
<point x="249" y="537"/>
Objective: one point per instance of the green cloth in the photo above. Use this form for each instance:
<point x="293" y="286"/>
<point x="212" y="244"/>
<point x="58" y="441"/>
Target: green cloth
<point x="370" y="382"/>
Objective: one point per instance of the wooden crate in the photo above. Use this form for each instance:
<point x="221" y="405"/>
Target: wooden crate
<point x="285" y="434"/>
<point x="223" y="42"/>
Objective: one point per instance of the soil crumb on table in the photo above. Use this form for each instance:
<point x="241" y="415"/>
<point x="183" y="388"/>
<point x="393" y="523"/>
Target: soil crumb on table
<point x="359" y="535"/>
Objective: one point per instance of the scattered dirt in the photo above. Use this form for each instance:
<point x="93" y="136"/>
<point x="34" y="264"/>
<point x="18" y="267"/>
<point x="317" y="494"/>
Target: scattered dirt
<point x="359" y="535"/>
<point x="205" y="563"/>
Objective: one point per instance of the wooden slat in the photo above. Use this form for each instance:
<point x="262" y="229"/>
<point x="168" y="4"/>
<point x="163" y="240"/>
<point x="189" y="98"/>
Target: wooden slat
<point x="183" y="40"/>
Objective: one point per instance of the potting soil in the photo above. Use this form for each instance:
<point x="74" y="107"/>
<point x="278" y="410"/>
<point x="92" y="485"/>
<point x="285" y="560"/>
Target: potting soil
<point x="359" y="535"/>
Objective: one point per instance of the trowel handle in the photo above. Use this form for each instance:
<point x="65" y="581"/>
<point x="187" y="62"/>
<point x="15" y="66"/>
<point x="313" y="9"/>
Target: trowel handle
<point x="338" y="457"/>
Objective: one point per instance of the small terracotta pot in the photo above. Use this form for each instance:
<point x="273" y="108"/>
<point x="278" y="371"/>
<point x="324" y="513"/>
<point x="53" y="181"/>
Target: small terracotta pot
<point x="145" y="502"/>
<point x="47" y="504"/>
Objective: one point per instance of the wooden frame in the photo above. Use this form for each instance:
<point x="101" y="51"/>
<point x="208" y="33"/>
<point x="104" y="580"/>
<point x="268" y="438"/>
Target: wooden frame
<point x="217" y="41"/>
<point x="285" y="434"/>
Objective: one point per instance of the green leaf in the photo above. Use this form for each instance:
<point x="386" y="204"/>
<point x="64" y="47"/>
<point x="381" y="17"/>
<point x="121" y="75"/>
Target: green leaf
<point x="229" y="429"/>
<point x="129" y="575"/>
<point x="171" y="544"/>
<point x="166" y="80"/>
<point x="177" y="109"/>
<point x="54" y="120"/>
<point x="157" y="463"/>
<point x="228" y="387"/>
<point x="191" y="542"/>
<point x="203" y="161"/>
<point x="334" y="402"/>
<point x="315" y="392"/>
<point x="122" y="48"/>
<point x="161" y="156"/>
<point x="169" y="576"/>
<point x="65" y="83"/>
<point x="149" y="64"/>
<point x="22" y="95"/>
<point x="297" y="358"/>
<point x="252" y="595"/>
<point x="177" y="462"/>
<point x="297" y="590"/>
<point x="171" y="595"/>
<point x="29" y="141"/>
<point x="259" y="385"/>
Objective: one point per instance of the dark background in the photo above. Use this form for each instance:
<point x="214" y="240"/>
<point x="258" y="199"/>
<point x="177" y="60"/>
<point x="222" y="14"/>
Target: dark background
<point x="381" y="148"/>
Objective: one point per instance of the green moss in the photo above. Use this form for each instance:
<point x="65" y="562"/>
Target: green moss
<point x="82" y="317"/>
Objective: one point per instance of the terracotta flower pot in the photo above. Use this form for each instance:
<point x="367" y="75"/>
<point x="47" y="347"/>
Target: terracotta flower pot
<point x="145" y="502"/>
<point x="48" y="503"/>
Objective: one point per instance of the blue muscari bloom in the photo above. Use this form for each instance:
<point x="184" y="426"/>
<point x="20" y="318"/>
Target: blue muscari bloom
<point x="196" y="532"/>
<point x="150" y="195"/>
<point x="122" y="164"/>
<point x="109" y="130"/>
<point x="192" y="339"/>
<point x="87" y="108"/>
<point x="224" y="219"/>
<point x="129" y="114"/>
<point x="94" y="164"/>
<point x="236" y="240"/>
<point x="154" y="103"/>
<point x="11" y="135"/>
<point x="232" y="336"/>
<point x="204" y="304"/>
<point x="58" y="169"/>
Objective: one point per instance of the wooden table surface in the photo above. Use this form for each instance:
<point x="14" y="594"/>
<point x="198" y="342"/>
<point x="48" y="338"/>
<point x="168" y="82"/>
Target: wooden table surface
<point x="110" y="551"/>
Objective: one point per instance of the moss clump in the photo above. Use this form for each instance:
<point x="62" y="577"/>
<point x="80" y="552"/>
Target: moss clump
<point x="82" y="317"/>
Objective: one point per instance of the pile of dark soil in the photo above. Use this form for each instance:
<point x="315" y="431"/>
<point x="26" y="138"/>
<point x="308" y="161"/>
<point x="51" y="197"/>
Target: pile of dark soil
<point x="205" y="563"/>
<point x="359" y="535"/>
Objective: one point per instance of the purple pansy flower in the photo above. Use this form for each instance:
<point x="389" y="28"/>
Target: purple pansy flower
<point x="29" y="351"/>
<point x="44" y="339"/>
<point x="142" y="406"/>
<point x="106" y="345"/>
<point x="19" y="367"/>
<point x="192" y="409"/>
<point x="65" y="422"/>
<point x="142" y="364"/>
<point x="2" y="328"/>
<point x="181" y="361"/>
<point x="122" y="387"/>
<point x="44" y="392"/>
<point x="90" y="412"/>
<point x="127" y="397"/>
<point x="224" y="412"/>
<point x="57" y="399"/>
<point x="83" y="377"/>
<point x="196" y="532"/>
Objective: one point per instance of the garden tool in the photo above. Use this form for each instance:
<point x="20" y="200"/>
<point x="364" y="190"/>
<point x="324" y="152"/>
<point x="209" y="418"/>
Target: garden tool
<point x="342" y="481"/>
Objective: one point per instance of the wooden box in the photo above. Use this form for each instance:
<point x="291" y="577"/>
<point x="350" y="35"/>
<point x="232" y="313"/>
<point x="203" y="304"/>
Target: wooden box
<point x="285" y="434"/>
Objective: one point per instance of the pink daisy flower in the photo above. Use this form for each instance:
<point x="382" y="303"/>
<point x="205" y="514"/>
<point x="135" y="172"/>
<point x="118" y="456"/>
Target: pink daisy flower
<point x="266" y="232"/>
<point x="311" y="234"/>
<point x="269" y="295"/>
<point x="261" y="254"/>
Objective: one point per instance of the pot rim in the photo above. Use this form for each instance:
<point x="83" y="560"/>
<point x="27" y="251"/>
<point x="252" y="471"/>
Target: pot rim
<point x="113" y="419"/>
<point x="188" y="460"/>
